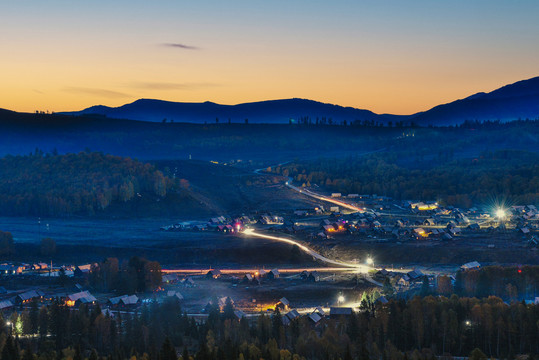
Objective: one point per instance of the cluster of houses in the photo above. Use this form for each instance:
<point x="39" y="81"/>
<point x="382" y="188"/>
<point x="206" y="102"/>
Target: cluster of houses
<point x="414" y="279"/>
<point x="45" y="270"/>
<point x="525" y="219"/>
<point x="288" y="314"/>
<point x="440" y="224"/>
<point x="12" y="299"/>
<point x="253" y="279"/>
<point x="401" y="229"/>
<point x="402" y="281"/>
<point x="224" y="224"/>
<point x="526" y="212"/>
<point x="16" y="269"/>
<point x="317" y="315"/>
<point x="74" y="297"/>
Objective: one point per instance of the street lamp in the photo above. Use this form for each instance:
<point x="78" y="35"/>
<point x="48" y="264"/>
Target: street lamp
<point x="501" y="214"/>
<point x="370" y="261"/>
<point x="340" y="299"/>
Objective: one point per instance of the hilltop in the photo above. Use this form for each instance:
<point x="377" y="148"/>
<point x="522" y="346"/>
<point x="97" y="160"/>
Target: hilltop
<point x="270" y="112"/>
<point x="511" y="102"/>
<point x="519" y="100"/>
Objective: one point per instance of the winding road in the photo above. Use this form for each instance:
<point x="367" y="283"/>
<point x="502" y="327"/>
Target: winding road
<point x="323" y="198"/>
<point x="307" y="250"/>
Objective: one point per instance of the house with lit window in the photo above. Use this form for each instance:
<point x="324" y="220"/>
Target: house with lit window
<point x="8" y="269"/>
<point x="28" y="296"/>
<point x="82" y="297"/>
<point x="213" y="274"/>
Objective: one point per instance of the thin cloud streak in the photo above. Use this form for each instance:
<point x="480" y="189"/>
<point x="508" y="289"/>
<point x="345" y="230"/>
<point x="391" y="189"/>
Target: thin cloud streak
<point x="170" y="86"/>
<point x="96" y="92"/>
<point x="181" y="46"/>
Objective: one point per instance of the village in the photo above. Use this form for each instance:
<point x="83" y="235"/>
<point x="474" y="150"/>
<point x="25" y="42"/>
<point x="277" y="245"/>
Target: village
<point x="385" y="220"/>
<point x="315" y="292"/>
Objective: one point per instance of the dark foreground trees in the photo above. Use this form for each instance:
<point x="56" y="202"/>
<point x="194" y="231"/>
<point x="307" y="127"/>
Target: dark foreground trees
<point x="418" y="329"/>
<point x="135" y="275"/>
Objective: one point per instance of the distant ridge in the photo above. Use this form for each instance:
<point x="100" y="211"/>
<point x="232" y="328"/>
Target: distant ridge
<point x="271" y="111"/>
<point x="519" y="100"/>
<point x="515" y="101"/>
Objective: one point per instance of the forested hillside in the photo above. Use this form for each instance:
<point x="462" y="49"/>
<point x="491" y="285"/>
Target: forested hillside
<point x="512" y="175"/>
<point x="85" y="183"/>
<point x="218" y="140"/>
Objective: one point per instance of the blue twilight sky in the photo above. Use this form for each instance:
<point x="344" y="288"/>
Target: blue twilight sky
<point x="387" y="56"/>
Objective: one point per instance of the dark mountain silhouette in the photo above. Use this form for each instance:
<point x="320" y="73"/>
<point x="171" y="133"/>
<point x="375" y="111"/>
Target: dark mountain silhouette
<point x="511" y="102"/>
<point x="23" y="133"/>
<point x="272" y="111"/>
<point x="516" y="101"/>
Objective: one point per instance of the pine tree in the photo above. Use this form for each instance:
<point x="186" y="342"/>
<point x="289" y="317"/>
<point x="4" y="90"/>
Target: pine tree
<point x="348" y="353"/>
<point x="10" y="351"/>
<point x="388" y="290"/>
<point x="276" y="323"/>
<point x="477" y="354"/>
<point x="43" y="321"/>
<point x="78" y="353"/>
<point x="28" y="354"/>
<point x="185" y="355"/>
<point x="168" y="352"/>
<point x="228" y="310"/>
<point x="34" y="317"/>
<point x="425" y="287"/>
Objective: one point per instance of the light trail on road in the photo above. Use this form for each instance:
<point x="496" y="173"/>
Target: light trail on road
<point x="252" y="271"/>
<point x="317" y="196"/>
<point x="324" y="198"/>
<point x="309" y="251"/>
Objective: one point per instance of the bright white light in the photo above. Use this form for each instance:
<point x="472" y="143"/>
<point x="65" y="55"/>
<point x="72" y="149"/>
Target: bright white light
<point x="248" y="231"/>
<point x="8" y="323"/>
<point x="370" y="261"/>
<point x="468" y="323"/>
<point x="341" y="299"/>
<point x="500" y="213"/>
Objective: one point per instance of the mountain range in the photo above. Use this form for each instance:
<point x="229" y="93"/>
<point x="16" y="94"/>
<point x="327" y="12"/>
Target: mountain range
<point x="271" y="111"/>
<point x="519" y="100"/>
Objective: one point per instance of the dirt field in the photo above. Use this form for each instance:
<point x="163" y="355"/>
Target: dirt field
<point x="508" y="249"/>
<point x="85" y="240"/>
<point x="253" y="299"/>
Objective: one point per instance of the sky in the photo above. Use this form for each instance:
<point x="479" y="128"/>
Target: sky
<point x="388" y="56"/>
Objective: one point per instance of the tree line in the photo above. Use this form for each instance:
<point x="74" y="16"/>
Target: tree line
<point x="509" y="283"/>
<point x="419" y="329"/>
<point x="505" y="174"/>
<point x="135" y="275"/>
<point x="85" y="183"/>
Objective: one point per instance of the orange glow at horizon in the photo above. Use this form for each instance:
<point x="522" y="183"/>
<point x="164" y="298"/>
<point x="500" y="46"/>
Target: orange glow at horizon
<point x="395" y="57"/>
